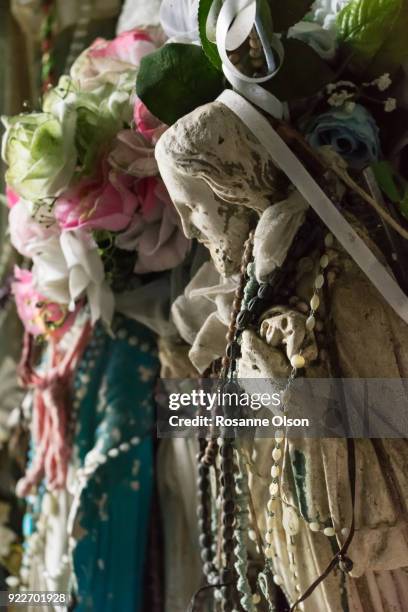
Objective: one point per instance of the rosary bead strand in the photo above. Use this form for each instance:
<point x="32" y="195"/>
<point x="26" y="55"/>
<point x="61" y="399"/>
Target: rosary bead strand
<point x="240" y="532"/>
<point x="227" y="495"/>
<point x="204" y="516"/>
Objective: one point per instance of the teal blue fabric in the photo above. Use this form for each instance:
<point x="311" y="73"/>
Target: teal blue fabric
<point x="115" y="383"/>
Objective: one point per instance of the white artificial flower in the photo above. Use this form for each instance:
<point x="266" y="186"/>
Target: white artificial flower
<point x="325" y="12"/>
<point x="138" y="14"/>
<point x="383" y="82"/>
<point x="70" y="267"/>
<point x="390" y="105"/>
<point x="339" y="98"/>
<point x="179" y="19"/>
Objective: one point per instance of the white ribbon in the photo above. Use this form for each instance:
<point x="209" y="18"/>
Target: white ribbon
<point x="247" y="86"/>
<point x="318" y="200"/>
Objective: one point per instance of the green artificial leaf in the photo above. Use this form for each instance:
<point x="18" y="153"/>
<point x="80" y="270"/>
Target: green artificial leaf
<point x="404" y="204"/>
<point x="385" y="176"/>
<point x="392" y="184"/>
<point x="209" y="47"/>
<point x="175" y="80"/>
<point x="303" y="72"/>
<point x="288" y="12"/>
<point x="374" y="33"/>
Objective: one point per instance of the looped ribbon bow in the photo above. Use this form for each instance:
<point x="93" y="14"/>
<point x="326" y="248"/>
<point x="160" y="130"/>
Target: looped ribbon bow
<point x="231" y="31"/>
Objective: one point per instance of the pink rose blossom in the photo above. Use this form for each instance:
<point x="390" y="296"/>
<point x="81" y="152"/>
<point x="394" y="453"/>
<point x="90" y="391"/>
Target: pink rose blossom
<point x="28" y="236"/>
<point x="133" y="154"/>
<point x="106" y="202"/>
<point x="12" y="197"/>
<point x="38" y="315"/>
<point x="147" y="124"/>
<point x="155" y="231"/>
<point x="129" y="47"/>
<point x="107" y="61"/>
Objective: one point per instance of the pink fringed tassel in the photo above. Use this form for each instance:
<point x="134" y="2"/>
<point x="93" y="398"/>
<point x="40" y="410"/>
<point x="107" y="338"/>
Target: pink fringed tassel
<point x="50" y="413"/>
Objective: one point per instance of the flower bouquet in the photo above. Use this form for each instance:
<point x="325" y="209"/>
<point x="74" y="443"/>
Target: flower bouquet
<point x="87" y="206"/>
<point x="98" y="236"/>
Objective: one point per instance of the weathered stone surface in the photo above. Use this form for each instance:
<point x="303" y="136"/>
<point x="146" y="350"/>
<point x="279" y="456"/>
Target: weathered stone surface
<point x="283" y="327"/>
<point x="370" y="339"/>
<point x="202" y="314"/>
<point x="220" y="179"/>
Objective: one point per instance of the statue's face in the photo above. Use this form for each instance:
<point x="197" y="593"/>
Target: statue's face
<point x="219" y="178"/>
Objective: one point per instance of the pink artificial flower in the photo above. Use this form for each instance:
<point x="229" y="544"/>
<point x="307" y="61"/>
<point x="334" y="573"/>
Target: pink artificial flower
<point x="28" y="236"/>
<point x="129" y="47"/>
<point x="133" y="154"/>
<point x="106" y="61"/>
<point x="147" y="124"/>
<point x="105" y="202"/>
<point x="39" y="316"/>
<point x="155" y="232"/>
<point x="12" y="197"/>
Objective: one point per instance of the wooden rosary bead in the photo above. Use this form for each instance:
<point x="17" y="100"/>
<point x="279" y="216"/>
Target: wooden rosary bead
<point x="205" y="540"/>
<point x="253" y="303"/>
<point x="227" y="531"/>
<point x="210" y="452"/>
<point x="226" y="576"/>
<point x="228" y="545"/>
<point x="257" y="63"/>
<point x="228" y="493"/>
<point x="233" y="350"/>
<point x="208" y="568"/>
<point x="228" y="480"/>
<point x="230" y="335"/>
<point x="254" y="42"/>
<point x="243" y="319"/>
<point x="202" y="512"/>
<point x="234" y="58"/>
<point x="228" y="519"/>
<point x="226" y="450"/>
<point x="203" y="470"/>
<point x="228" y="507"/>
<point x="265" y="292"/>
<point x="206" y="555"/>
<point x="202" y="485"/>
<point x="227" y="464"/>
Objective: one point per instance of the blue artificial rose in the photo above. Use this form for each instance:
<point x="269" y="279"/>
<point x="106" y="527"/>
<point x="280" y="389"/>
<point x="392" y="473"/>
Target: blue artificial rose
<point x="352" y="134"/>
